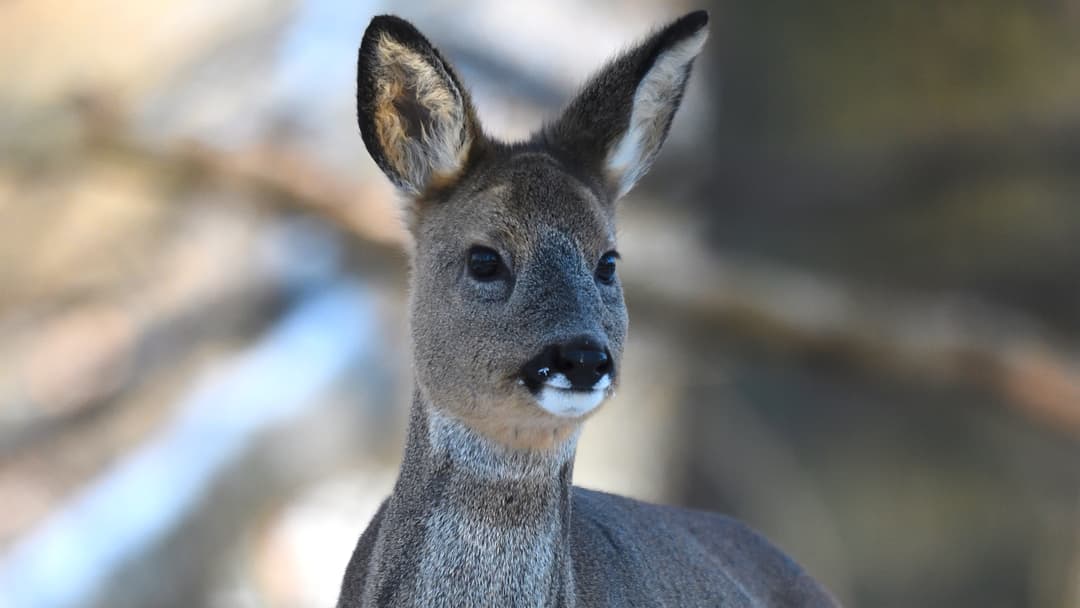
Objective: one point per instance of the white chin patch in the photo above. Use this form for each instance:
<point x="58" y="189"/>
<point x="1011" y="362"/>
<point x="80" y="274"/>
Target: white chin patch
<point x="556" y="397"/>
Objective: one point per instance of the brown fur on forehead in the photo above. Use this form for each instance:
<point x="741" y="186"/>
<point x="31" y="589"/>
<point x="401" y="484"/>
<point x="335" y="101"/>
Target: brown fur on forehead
<point x="519" y="197"/>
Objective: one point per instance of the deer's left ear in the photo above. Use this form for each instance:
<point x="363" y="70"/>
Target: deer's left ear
<point x="619" y="121"/>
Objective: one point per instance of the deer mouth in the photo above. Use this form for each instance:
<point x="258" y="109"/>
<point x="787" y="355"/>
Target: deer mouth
<point x="568" y="402"/>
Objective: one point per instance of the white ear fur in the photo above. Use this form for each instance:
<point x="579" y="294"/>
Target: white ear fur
<point x="655" y="101"/>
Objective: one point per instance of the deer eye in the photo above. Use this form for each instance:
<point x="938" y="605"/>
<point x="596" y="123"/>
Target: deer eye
<point x="484" y="263"/>
<point x="605" y="269"/>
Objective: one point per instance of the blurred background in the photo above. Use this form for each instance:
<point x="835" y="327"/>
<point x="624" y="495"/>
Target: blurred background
<point x="853" y="280"/>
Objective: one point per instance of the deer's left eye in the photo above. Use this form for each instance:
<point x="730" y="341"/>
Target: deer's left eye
<point x="605" y="269"/>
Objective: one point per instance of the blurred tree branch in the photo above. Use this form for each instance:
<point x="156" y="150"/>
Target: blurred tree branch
<point x="940" y="339"/>
<point x="937" y="339"/>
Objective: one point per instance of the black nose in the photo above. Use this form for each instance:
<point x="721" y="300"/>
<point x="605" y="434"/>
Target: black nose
<point x="582" y="361"/>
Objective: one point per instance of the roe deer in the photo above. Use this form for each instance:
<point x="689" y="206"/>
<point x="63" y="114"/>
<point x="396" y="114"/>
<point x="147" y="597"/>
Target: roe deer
<point x="518" y="324"/>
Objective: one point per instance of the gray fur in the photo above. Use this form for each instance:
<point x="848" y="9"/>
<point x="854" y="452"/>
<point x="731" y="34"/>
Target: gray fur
<point x="483" y="512"/>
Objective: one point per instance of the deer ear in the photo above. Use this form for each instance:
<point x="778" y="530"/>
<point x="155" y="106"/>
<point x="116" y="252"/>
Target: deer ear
<point x="415" y="118"/>
<point x="619" y="121"/>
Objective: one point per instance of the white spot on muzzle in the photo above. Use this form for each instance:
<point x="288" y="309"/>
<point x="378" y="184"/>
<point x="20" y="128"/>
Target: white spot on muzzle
<point x="556" y="396"/>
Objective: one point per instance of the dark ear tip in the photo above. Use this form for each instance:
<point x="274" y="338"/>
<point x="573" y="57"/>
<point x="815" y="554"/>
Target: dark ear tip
<point x="395" y="26"/>
<point x="683" y="28"/>
<point x="691" y="23"/>
<point x="387" y="22"/>
<point x="699" y="18"/>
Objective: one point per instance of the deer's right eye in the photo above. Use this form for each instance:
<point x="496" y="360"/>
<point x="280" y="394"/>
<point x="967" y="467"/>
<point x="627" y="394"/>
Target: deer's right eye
<point x="484" y="263"/>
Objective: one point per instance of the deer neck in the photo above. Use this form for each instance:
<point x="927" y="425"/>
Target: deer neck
<point x="474" y="523"/>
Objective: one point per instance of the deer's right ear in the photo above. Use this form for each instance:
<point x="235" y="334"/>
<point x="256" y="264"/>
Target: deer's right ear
<point x="415" y="118"/>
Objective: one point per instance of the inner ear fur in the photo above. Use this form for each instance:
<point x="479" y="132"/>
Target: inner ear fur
<point x="415" y="117"/>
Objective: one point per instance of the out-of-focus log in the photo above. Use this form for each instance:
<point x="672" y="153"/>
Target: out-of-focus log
<point x="940" y="338"/>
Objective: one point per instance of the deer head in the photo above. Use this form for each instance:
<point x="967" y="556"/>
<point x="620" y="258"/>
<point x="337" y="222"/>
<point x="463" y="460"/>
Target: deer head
<point x="516" y="310"/>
